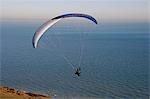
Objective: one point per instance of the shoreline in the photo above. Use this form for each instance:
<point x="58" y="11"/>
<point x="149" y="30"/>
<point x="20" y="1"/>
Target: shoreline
<point x="12" y="93"/>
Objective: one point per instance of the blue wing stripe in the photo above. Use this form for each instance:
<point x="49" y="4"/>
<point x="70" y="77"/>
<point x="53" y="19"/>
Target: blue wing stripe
<point x="77" y="15"/>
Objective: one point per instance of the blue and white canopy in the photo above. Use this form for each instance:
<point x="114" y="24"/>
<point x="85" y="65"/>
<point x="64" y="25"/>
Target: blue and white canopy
<point x="43" y="28"/>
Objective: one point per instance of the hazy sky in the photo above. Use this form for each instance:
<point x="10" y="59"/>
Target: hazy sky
<point x="107" y="10"/>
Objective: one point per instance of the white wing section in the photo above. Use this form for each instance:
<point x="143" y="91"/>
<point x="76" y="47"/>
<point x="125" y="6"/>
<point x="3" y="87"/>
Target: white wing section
<point x="41" y="30"/>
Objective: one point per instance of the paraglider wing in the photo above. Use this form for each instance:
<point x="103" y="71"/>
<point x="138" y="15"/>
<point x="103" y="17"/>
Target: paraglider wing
<point x="43" y="28"/>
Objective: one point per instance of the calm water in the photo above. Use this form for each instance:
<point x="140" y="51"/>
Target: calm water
<point x="114" y="60"/>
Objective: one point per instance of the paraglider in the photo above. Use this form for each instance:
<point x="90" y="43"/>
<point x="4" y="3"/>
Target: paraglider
<point x="78" y="72"/>
<point x="43" y="28"/>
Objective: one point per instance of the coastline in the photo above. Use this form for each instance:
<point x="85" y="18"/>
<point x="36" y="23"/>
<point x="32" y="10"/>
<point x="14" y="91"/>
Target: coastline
<point x="11" y="93"/>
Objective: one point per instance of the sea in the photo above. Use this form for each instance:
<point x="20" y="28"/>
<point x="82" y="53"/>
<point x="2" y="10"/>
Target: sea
<point x="113" y="58"/>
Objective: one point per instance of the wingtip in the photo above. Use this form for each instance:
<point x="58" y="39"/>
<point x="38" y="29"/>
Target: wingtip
<point x="33" y="45"/>
<point x="96" y="22"/>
